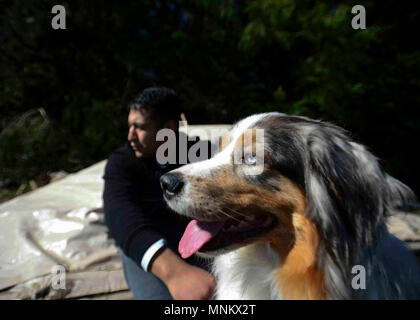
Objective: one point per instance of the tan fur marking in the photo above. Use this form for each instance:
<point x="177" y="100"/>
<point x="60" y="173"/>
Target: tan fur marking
<point x="224" y="140"/>
<point x="247" y="142"/>
<point x="299" y="275"/>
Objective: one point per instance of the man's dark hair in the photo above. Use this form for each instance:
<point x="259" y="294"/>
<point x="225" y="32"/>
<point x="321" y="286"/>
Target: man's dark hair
<point x="163" y="102"/>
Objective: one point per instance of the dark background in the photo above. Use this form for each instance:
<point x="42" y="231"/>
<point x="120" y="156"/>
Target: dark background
<point x="63" y="93"/>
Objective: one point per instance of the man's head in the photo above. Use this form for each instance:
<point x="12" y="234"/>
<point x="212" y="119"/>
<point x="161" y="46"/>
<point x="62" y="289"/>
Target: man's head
<point x="151" y="110"/>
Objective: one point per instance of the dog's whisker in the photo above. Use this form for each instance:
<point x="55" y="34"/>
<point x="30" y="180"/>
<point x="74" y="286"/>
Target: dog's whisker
<point x="226" y="214"/>
<point x="238" y="213"/>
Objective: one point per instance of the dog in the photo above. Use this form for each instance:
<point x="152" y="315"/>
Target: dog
<point x="304" y="218"/>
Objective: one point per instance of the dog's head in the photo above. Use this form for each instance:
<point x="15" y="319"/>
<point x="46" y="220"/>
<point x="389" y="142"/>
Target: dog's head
<point x="236" y="197"/>
<point x="281" y="179"/>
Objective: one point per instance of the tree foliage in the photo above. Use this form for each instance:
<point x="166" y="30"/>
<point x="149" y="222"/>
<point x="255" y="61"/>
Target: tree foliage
<point x="226" y="59"/>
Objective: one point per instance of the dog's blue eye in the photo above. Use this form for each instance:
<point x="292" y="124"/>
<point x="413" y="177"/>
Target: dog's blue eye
<point x="250" y="159"/>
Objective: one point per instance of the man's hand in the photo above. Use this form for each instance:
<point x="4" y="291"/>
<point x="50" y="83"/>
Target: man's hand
<point x="184" y="281"/>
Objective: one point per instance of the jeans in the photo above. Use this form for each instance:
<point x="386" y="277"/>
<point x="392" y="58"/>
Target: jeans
<point x="144" y="285"/>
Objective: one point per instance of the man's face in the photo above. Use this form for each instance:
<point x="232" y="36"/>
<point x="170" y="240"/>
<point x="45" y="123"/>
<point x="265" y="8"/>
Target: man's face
<point x="142" y="132"/>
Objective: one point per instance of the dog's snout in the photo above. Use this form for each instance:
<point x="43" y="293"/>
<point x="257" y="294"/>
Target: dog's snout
<point x="171" y="183"/>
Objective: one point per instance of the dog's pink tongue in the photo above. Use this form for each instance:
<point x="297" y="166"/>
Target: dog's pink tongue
<point x="196" y="235"/>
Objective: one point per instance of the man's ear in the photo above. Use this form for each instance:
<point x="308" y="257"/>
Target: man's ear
<point x="171" y="124"/>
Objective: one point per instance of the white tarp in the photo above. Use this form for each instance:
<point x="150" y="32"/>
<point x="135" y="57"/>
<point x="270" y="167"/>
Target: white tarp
<point x="59" y="224"/>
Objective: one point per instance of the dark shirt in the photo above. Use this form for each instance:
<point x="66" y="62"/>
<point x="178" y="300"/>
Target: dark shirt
<point x="135" y="211"/>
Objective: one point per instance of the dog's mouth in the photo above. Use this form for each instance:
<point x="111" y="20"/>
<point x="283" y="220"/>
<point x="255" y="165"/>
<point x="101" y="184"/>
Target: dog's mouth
<point x="204" y="236"/>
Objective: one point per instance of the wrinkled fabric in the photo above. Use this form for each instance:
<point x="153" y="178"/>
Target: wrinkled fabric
<point x="58" y="224"/>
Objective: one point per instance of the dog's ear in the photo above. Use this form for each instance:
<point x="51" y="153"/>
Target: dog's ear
<point x="347" y="190"/>
<point x="347" y="197"/>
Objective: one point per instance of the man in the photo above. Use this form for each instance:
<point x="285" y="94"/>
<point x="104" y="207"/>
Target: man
<point x="146" y="233"/>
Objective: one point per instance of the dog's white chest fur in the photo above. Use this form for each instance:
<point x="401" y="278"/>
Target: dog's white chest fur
<point x="247" y="274"/>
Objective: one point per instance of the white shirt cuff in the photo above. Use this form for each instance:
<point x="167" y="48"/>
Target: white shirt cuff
<point x="148" y="256"/>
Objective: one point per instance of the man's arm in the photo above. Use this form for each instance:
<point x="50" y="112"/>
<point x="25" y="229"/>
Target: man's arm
<point x="184" y="281"/>
<point x="135" y="234"/>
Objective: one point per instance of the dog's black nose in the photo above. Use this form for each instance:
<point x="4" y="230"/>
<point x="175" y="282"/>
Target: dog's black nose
<point x="171" y="183"/>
